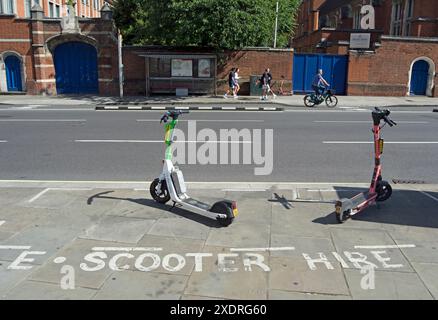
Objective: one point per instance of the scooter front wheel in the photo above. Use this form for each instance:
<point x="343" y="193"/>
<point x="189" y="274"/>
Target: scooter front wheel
<point x="161" y="194"/>
<point x="384" y="191"/>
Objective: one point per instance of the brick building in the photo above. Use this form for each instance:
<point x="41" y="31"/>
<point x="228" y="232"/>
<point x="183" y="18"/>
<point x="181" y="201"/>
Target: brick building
<point x="402" y="55"/>
<point x="41" y="55"/>
<point x="51" y="8"/>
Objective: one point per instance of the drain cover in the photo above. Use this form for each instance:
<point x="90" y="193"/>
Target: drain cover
<point x="408" y="181"/>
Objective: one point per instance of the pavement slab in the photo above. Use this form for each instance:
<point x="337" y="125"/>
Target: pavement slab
<point x="118" y="229"/>
<point x="294" y="274"/>
<point x="33" y="290"/>
<point x="212" y="282"/>
<point x="388" y="285"/>
<point x="428" y="274"/>
<point x="174" y="246"/>
<point x="137" y="285"/>
<point x="181" y="227"/>
<point x="75" y="253"/>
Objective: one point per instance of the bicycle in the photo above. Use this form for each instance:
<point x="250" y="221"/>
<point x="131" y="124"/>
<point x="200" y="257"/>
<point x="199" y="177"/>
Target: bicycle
<point x="312" y="99"/>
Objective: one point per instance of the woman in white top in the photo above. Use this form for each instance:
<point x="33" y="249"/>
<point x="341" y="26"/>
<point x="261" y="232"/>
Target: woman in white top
<point x="236" y="78"/>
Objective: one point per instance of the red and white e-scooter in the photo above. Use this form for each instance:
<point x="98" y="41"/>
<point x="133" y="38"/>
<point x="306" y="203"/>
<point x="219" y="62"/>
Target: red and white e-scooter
<point x="379" y="190"/>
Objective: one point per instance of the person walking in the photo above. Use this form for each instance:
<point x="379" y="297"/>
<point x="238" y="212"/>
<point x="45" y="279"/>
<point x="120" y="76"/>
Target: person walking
<point x="269" y="89"/>
<point x="236" y="82"/>
<point x="231" y="83"/>
<point x="263" y="82"/>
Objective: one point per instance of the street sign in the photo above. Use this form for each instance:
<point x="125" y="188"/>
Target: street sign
<point x="360" y="40"/>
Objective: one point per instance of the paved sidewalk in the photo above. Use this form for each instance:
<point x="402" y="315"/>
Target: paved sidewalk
<point x="122" y="245"/>
<point x="291" y="101"/>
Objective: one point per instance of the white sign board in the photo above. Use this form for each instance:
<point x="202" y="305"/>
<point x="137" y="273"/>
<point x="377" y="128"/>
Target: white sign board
<point x="182" y="68"/>
<point x="360" y="40"/>
<point x="204" y="68"/>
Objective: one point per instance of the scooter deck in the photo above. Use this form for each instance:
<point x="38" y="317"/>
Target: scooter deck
<point x="196" y="203"/>
<point x="355" y="202"/>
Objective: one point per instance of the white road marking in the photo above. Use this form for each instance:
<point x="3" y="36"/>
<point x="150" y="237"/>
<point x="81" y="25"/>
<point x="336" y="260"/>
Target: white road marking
<point x="263" y="249"/>
<point x="157" y="141"/>
<point x="38" y="195"/>
<point x="202" y="120"/>
<point x="244" y="190"/>
<point x="386" y="142"/>
<point x="355" y="121"/>
<point x="2" y="222"/>
<point x="43" y="120"/>
<point x="399" y="246"/>
<point x="158" y="108"/>
<point x="15" y="247"/>
<point x="126" y="249"/>
<point x="353" y="111"/>
<point x="3" y="141"/>
<point x="428" y="195"/>
<point x="331" y="190"/>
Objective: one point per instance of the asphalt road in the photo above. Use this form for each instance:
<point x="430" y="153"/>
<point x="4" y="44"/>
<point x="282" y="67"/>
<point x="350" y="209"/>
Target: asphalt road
<point x="307" y="146"/>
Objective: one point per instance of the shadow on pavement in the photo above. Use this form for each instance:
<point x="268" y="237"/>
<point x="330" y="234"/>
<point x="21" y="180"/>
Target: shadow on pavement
<point x="153" y="204"/>
<point x="405" y="207"/>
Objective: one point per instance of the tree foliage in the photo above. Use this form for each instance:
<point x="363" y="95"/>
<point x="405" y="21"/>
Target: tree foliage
<point x="214" y="23"/>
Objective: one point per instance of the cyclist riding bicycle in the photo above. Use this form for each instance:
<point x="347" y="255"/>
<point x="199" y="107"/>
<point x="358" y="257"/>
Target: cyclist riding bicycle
<point x="319" y="84"/>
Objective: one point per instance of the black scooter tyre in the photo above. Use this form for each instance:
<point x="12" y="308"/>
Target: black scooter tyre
<point x="384" y="191"/>
<point x="224" y="208"/>
<point x="164" y="196"/>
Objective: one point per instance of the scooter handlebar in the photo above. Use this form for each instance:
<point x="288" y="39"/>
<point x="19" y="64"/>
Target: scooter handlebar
<point x="174" y="114"/>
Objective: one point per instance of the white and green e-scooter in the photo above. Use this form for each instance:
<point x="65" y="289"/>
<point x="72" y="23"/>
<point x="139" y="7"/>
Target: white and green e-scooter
<point x="170" y="184"/>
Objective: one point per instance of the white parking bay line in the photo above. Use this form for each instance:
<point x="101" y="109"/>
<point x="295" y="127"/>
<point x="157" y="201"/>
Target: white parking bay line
<point x="156" y="141"/>
<point x="203" y="120"/>
<point x="126" y="249"/>
<point x="2" y="222"/>
<point x="15" y="247"/>
<point x="43" y="120"/>
<point x="262" y="249"/>
<point x="3" y="141"/>
<point x="386" y="142"/>
<point x="38" y="195"/>
<point x="428" y="195"/>
<point x="396" y="246"/>
<point x="355" y="121"/>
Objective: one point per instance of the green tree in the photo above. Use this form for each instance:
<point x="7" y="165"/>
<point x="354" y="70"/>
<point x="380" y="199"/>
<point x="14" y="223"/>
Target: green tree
<point x="220" y="24"/>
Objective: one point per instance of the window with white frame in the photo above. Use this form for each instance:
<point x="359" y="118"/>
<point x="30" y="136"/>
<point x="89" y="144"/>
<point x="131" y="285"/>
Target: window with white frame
<point x="409" y="13"/>
<point x="396" y="20"/>
<point x="356" y="18"/>
<point x="54" y="10"/>
<point x="7" y="7"/>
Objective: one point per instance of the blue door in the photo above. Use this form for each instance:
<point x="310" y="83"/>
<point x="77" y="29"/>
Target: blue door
<point x="13" y="73"/>
<point x="306" y="66"/>
<point x="420" y="74"/>
<point x="76" y="68"/>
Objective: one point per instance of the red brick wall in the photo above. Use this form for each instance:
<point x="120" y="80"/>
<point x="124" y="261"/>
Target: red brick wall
<point x="386" y="72"/>
<point x="134" y="72"/>
<point x="254" y="62"/>
<point x="250" y="62"/>
<point x="38" y="61"/>
<point x="11" y="28"/>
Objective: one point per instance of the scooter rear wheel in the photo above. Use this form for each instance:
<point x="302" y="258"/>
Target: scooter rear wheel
<point x="223" y="208"/>
<point x="162" y="195"/>
<point x="384" y="191"/>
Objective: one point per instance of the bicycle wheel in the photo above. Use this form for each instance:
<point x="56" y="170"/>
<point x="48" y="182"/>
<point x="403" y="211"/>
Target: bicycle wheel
<point x="309" y="101"/>
<point x="331" y="101"/>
